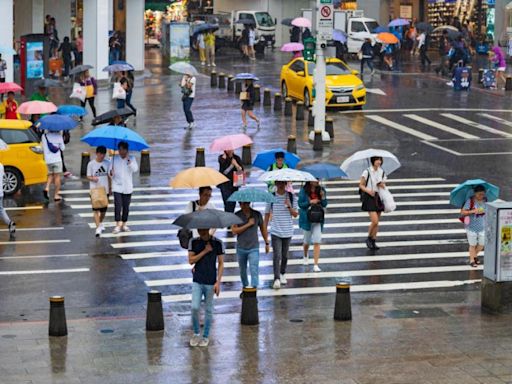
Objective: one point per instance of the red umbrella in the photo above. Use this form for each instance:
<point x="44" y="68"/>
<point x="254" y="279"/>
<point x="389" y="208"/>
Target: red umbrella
<point x="10" y="87"/>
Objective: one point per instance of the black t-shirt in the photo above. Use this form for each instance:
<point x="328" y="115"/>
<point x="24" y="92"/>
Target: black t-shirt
<point x="205" y="270"/>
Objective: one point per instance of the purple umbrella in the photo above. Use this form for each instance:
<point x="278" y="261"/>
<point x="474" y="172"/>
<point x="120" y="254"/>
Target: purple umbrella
<point x="292" y="47"/>
<point x="340" y="36"/>
<point x="398" y="23"/>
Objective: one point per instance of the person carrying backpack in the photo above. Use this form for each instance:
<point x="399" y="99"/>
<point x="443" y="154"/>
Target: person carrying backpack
<point x="312" y="201"/>
<point x="473" y="215"/>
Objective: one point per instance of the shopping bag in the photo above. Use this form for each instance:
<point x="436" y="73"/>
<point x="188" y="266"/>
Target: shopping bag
<point x="244" y="96"/>
<point x="239" y="179"/>
<point x="99" y="198"/>
<point x="119" y="92"/>
<point x="387" y="199"/>
<point x="78" y="92"/>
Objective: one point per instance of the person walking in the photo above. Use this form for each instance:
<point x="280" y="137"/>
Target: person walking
<point x="498" y="59"/>
<point x="121" y="102"/>
<point x="444" y="58"/>
<point x="53" y="143"/>
<point x="98" y="176"/>
<point x="252" y="40"/>
<point x="248" y="104"/>
<point x="129" y="91"/>
<point x="247" y="243"/>
<point x="201" y="46"/>
<point x="204" y="202"/>
<point x="122" y="168"/>
<point x="312" y="202"/>
<point x="65" y="49"/>
<point x="10" y="106"/>
<point x="188" y="91"/>
<point x="372" y="179"/>
<point x="244" y="41"/>
<point x="209" y="41"/>
<point x="423" y="48"/>
<point x="204" y="252"/>
<point x="474" y="213"/>
<point x="366" y="54"/>
<point x="283" y="210"/>
<point x="11" y="225"/>
<point x="91" y="89"/>
<point x="276" y="165"/>
<point x="229" y="164"/>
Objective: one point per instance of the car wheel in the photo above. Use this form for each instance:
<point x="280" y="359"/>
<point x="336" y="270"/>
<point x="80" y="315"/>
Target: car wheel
<point x="284" y="90"/>
<point x="13" y="181"/>
<point x="307" y="99"/>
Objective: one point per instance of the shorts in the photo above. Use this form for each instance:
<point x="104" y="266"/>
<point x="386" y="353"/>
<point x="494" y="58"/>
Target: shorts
<point x="101" y="210"/>
<point x="502" y="69"/>
<point x="314" y="236"/>
<point x="476" y="238"/>
<point x="54" y="168"/>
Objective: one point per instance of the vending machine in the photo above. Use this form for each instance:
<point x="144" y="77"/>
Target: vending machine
<point x="34" y="58"/>
<point x="498" y="244"/>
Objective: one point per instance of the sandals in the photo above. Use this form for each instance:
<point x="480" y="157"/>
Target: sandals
<point x="474" y="264"/>
<point x="477" y="261"/>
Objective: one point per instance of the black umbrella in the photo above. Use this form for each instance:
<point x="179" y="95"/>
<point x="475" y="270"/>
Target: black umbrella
<point x="108" y="116"/>
<point x="246" y="22"/>
<point x="205" y="27"/>
<point x="207" y="218"/>
<point x="47" y="83"/>
<point x="80" y="68"/>
<point x="287" y="22"/>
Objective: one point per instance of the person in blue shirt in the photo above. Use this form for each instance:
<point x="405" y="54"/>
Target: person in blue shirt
<point x="473" y="212"/>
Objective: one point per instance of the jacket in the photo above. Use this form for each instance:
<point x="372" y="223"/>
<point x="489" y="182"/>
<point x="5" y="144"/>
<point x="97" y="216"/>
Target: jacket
<point x="227" y="169"/>
<point x="304" y="206"/>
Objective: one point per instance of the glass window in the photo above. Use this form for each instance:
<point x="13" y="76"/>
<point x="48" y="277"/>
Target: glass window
<point x="264" y="19"/>
<point x="246" y="16"/>
<point x="358" y="26"/>
<point x="17" y="136"/>
<point x="372" y="25"/>
<point x="332" y="69"/>
<point x="297" y="66"/>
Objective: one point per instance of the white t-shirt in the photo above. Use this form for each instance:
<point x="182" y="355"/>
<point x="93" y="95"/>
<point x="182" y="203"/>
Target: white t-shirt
<point x="192" y="80"/>
<point x="200" y="41"/>
<point x="189" y="209"/>
<point x="421" y="40"/>
<point x="1" y="180"/>
<point x="56" y="139"/>
<point x="99" y="170"/>
<point x="252" y="37"/>
<point x="122" y="179"/>
<point x="376" y="176"/>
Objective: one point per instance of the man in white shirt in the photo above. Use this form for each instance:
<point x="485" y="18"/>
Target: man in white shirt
<point x="122" y="168"/>
<point x="188" y="89"/>
<point x="3" y="215"/>
<point x="97" y="174"/>
<point x="53" y="143"/>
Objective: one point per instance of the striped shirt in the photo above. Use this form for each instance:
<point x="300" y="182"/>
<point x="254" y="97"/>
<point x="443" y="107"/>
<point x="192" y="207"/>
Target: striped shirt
<point x="282" y="221"/>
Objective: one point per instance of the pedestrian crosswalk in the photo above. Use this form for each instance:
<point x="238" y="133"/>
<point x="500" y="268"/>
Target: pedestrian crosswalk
<point x="423" y="243"/>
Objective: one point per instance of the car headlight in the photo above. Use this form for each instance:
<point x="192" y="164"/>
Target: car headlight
<point x="360" y="87"/>
<point x="37" y="149"/>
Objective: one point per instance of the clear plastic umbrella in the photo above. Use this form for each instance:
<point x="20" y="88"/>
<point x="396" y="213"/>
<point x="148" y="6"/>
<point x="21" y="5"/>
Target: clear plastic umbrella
<point x="355" y="165"/>
<point x="287" y="174"/>
<point x="184" y="68"/>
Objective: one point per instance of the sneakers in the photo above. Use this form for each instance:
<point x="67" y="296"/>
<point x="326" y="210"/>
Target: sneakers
<point x="214" y="65"/>
<point x="68" y="174"/>
<point x="204" y="342"/>
<point x="192" y="125"/>
<point x="203" y="63"/>
<point x="116" y="230"/>
<point x="102" y="227"/>
<point x="194" y="341"/>
<point x="305" y="260"/>
<point x="277" y="284"/>
<point x="283" y="279"/>
<point x="98" y="232"/>
<point x="12" y="228"/>
<point x="372" y="72"/>
<point x="244" y="127"/>
<point x="126" y="228"/>
<point x="316" y="268"/>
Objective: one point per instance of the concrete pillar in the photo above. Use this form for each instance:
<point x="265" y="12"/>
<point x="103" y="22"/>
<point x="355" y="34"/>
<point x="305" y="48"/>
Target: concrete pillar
<point x="6" y="34"/>
<point x="29" y="16"/>
<point x="135" y="33"/>
<point x="110" y="15"/>
<point x="95" y="33"/>
<point x="61" y="10"/>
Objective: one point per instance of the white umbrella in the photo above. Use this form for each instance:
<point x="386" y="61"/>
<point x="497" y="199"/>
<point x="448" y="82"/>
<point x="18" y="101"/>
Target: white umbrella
<point x="3" y="145"/>
<point x="443" y="27"/>
<point x="287" y="174"/>
<point x="183" y="67"/>
<point x="355" y="165"/>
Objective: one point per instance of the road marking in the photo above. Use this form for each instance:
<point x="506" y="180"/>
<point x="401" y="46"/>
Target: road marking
<point x="22" y="242"/>
<point x="498" y="119"/>
<point x="43" y="256"/>
<point x="400" y="127"/>
<point x="332" y="289"/>
<point x="29" y="229"/>
<point x="428" y="110"/>
<point x="474" y="124"/>
<point x="442" y="127"/>
<point x="43" y="271"/>
<point x="432" y="144"/>
<point x="376" y="91"/>
<point x="28" y="208"/>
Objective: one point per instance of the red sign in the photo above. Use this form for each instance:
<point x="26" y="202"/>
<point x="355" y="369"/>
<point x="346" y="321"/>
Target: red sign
<point x="325" y="11"/>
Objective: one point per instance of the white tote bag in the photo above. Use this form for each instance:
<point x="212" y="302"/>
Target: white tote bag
<point x="387" y="199"/>
<point x="119" y="92"/>
<point x="79" y="92"/>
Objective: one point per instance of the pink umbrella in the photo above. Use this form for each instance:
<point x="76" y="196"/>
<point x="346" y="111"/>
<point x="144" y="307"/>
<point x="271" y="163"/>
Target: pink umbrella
<point x="36" y="108"/>
<point x="292" y="47"/>
<point x="301" y="22"/>
<point x="10" y="87"/>
<point x="230" y="142"/>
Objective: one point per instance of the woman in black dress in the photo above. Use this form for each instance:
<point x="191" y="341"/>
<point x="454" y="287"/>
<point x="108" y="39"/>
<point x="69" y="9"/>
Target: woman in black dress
<point x="248" y="97"/>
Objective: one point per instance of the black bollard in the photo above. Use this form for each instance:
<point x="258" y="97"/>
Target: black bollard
<point x="267" y="98"/>
<point x="246" y="154"/>
<point x="213" y="79"/>
<point x="222" y="80"/>
<point x="480" y="75"/>
<point x="257" y="93"/>
<point x="329" y="127"/>
<point x="292" y="144"/>
<point x="154" y="312"/>
<point x="508" y="84"/>
<point x="249" y="307"/>
<point x="238" y="87"/>
<point x="86" y="157"/>
<point x="200" y="162"/>
<point x="318" y="143"/>
<point x="231" y="83"/>
<point x="343" y="306"/>
<point x="299" y="113"/>
<point x="311" y="118"/>
<point x="57" y="325"/>
<point x="145" y="163"/>
<point x="278" y="102"/>
<point x="288" y="106"/>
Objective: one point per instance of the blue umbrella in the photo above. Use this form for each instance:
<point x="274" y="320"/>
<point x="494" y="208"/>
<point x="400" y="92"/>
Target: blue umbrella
<point x="461" y="193"/>
<point x="380" y="29"/>
<point x="325" y="171"/>
<point x="245" y="76"/>
<point x="252" y="195"/>
<point x="71" y="110"/>
<point x="56" y="123"/>
<point x="265" y="159"/>
<point x="111" y="135"/>
<point x="340" y="36"/>
<point x="398" y="23"/>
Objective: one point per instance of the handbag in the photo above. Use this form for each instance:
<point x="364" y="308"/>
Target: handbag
<point x="387" y="199"/>
<point x="78" y="92"/>
<point x="359" y="55"/>
<point x="52" y="147"/>
<point x="99" y="198"/>
<point x="244" y="96"/>
<point x="119" y="92"/>
<point x="239" y="179"/>
<point x="316" y="213"/>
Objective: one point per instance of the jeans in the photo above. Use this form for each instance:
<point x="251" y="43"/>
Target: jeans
<point x="3" y="214"/>
<point x="227" y="190"/>
<point x="198" y="291"/>
<point x="369" y="62"/>
<point x="122" y="206"/>
<point x="253" y="256"/>
<point x="423" y="56"/>
<point x="121" y="103"/>
<point x="91" y="104"/>
<point x="67" y="65"/>
<point x="280" y="247"/>
<point x="187" y="105"/>
<point x="128" y="101"/>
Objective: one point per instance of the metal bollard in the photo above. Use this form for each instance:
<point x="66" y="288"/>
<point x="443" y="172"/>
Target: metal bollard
<point x="278" y="102"/>
<point x="200" y="162"/>
<point x="231" y="83"/>
<point x="292" y="144"/>
<point x="246" y="154"/>
<point x="287" y="106"/>
<point x="238" y="87"/>
<point x="86" y="157"/>
<point x="257" y="93"/>
<point x="508" y="84"/>
<point x="343" y="306"/>
<point x="299" y="112"/>
<point x="145" y="163"/>
<point x="329" y="127"/>
<point x="267" y="98"/>
<point x="311" y="118"/>
<point x="57" y="324"/>
<point x="213" y="79"/>
<point x="480" y="75"/>
<point x="318" y="143"/>
<point x="222" y="80"/>
<point x="249" y="307"/>
<point x="154" y="312"/>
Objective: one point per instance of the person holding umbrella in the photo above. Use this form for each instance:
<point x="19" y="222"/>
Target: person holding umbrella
<point x="65" y="49"/>
<point x="53" y="144"/>
<point x="248" y="99"/>
<point x="473" y="213"/>
<point x="10" y="106"/>
<point x="91" y="89"/>
<point x="188" y="90"/>
<point x="98" y="176"/>
<point x="229" y="164"/>
<point x="209" y="41"/>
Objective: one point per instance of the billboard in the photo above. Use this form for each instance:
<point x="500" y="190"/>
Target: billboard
<point x="35" y="60"/>
<point x="179" y="39"/>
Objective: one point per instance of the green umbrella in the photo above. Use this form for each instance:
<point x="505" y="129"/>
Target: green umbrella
<point x="252" y="195"/>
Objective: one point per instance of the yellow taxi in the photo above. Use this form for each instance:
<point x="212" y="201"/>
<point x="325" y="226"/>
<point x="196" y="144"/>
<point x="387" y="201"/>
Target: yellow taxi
<point x="343" y="87"/>
<point x="23" y="160"/>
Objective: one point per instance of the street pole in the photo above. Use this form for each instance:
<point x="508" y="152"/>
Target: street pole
<point x="319" y="86"/>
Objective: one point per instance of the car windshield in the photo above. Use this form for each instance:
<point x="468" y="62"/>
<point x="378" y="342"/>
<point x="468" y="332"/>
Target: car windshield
<point x="332" y="69"/>
<point x="264" y="19"/>
<point x="371" y="25"/>
<point x="18" y="136"/>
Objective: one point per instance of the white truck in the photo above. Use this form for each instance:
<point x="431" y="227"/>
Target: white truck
<point x="357" y="27"/>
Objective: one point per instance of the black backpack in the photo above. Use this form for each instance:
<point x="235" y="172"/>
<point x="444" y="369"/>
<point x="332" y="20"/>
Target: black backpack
<point x="184" y="234"/>
<point x="316" y="213"/>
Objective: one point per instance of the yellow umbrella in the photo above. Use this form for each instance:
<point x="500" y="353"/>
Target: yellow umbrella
<point x="198" y="177"/>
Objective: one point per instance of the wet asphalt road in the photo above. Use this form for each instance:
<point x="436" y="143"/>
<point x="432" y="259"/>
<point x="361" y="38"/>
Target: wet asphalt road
<point x="55" y="251"/>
